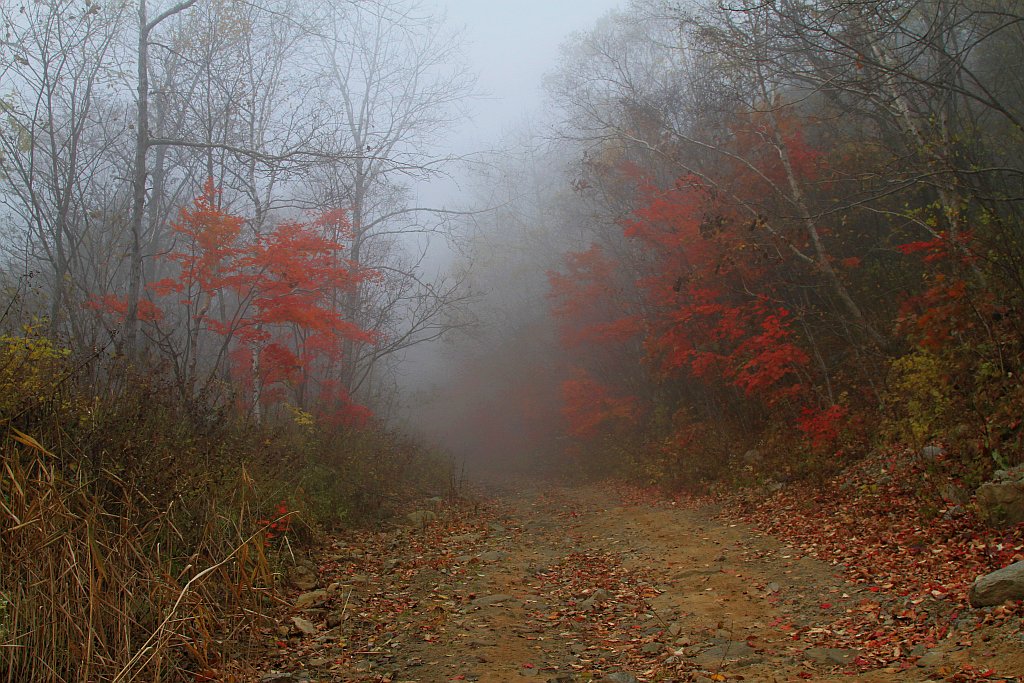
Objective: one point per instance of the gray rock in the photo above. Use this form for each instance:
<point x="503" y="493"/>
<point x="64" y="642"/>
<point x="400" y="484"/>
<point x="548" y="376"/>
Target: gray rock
<point x="303" y="577"/>
<point x="1001" y="502"/>
<point x="421" y="517"/>
<point x="830" y="655"/>
<point x="304" y="626"/>
<point x="487" y="600"/>
<point x="618" y="677"/>
<point x="999" y="586"/>
<point x="954" y="494"/>
<point x="311" y="599"/>
<point x="275" y="677"/>
<point x="596" y="598"/>
<point x="493" y="556"/>
<point x="732" y="650"/>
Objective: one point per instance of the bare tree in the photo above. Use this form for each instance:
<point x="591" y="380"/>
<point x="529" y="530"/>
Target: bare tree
<point x="55" y="149"/>
<point x="396" y="80"/>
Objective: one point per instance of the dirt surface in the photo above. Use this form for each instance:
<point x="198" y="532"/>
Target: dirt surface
<point x="571" y="585"/>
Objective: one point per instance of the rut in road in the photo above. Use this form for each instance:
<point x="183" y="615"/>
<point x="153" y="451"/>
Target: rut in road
<point x="567" y="584"/>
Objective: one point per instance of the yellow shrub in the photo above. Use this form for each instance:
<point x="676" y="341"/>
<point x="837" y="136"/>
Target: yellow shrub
<point x="30" y="367"/>
<point x="921" y="391"/>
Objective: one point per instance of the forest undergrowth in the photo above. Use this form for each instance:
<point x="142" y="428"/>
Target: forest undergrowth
<point x="143" y="535"/>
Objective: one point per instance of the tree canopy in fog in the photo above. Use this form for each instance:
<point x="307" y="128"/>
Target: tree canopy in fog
<point x="117" y="116"/>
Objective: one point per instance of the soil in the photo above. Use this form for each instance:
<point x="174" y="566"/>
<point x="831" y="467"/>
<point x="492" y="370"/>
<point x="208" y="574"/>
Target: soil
<point x="570" y="584"/>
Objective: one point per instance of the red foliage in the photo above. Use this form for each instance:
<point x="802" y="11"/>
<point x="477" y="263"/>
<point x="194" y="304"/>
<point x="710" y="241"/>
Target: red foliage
<point x="593" y="324"/>
<point x="822" y="426"/>
<point x="946" y="308"/>
<point x="116" y="307"/>
<point x="704" y="319"/>
<point x="584" y="301"/>
<point x="589" y="407"/>
<point x="273" y="297"/>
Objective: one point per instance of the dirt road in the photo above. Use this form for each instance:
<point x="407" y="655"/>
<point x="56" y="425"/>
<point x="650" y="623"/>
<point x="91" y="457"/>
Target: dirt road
<point x="570" y="585"/>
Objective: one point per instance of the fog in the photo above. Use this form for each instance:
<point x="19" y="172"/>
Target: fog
<point x="470" y="394"/>
<point x="535" y="234"/>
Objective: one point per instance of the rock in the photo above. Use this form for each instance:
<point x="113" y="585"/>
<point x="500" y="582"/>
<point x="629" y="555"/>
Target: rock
<point x="930" y="659"/>
<point x="954" y="494"/>
<point x="954" y="512"/>
<point x="304" y="626"/>
<point x="1001" y="502"/>
<point x="830" y="655"/>
<point x="303" y="577"/>
<point x="311" y="599"/>
<point x="618" y="677"/>
<point x="488" y="600"/>
<point x="999" y="586"/>
<point x="421" y="517"/>
<point x="275" y="677"/>
<point x="715" y="655"/>
<point x="493" y="556"/>
<point x="596" y="598"/>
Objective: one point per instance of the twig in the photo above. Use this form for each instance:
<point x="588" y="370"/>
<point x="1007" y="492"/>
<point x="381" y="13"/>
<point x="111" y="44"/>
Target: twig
<point x="147" y="650"/>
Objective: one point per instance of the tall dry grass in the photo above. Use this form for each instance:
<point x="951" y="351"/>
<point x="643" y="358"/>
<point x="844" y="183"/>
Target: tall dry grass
<point x="95" y="589"/>
<point x="133" y="524"/>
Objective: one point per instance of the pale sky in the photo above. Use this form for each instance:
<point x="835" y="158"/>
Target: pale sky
<point x="512" y="44"/>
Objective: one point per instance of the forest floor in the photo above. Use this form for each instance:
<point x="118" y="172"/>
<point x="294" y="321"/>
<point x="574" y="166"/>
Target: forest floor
<point x="586" y="584"/>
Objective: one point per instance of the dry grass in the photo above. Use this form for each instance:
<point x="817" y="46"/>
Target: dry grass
<point x="133" y="523"/>
<point x="94" y="589"/>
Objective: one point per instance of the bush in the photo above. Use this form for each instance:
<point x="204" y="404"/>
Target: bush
<point x="142" y="532"/>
